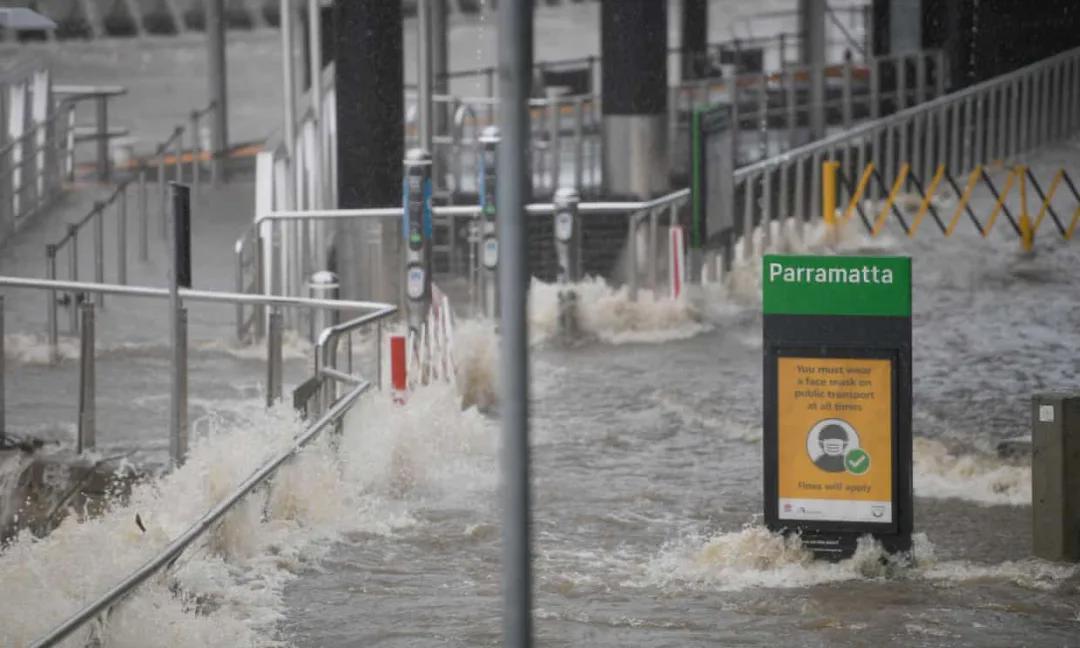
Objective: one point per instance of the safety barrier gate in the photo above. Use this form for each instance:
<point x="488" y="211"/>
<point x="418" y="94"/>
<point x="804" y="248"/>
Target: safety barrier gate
<point x="997" y="121"/>
<point x="907" y="183"/>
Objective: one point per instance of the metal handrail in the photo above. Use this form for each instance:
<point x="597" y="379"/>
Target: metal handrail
<point x="873" y="126"/>
<point x="335" y="408"/>
<point x="191" y="294"/>
<point x="167" y="556"/>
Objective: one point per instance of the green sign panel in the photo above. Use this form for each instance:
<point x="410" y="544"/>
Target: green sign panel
<point x="836" y="285"/>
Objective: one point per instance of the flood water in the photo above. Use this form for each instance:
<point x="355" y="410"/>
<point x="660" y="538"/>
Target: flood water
<point x="646" y="463"/>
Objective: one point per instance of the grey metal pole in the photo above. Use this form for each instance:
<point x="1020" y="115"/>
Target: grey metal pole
<point x="748" y="217"/>
<point x="99" y="250"/>
<point x="50" y="307"/>
<point x="195" y="155"/>
<point x="73" y="272"/>
<point x="315" y="64"/>
<point x="654" y="230"/>
<point x="846" y="95"/>
<point x="163" y="192"/>
<point x="813" y="12"/>
<point x="632" y="257"/>
<point x="103" y="137"/>
<point x="178" y="416"/>
<point x="273" y="358"/>
<point x="567" y="234"/>
<point x="424" y="80"/>
<point x="86" y="439"/>
<point x="240" y="289"/>
<point x="3" y="403"/>
<point x="121" y="236"/>
<point x="515" y="71"/>
<point x="287" y="76"/>
<point x="215" y="50"/>
<point x="178" y="156"/>
<point x="144" y="217"/>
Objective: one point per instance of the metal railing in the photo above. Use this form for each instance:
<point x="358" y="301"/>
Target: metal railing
<point x="269" y="244"/>
<point x="999" y="119"/>
<point x="171" y="151"/>
<point x="333" y="406"/>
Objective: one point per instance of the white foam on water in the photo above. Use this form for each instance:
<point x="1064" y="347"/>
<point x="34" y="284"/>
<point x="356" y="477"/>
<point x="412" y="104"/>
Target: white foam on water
<point x="980" y="478"/>
<point x="476" y="351"/>
<point x="610" y="315"/>
<point x="227" y="589"/>
<point x="754" y="557"/>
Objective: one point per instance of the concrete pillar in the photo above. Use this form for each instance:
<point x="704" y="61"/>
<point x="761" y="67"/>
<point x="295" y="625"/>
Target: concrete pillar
<point x="1055" y="476"/>
<point x="695" y="38"/>
<point x="812" y="16"/>
<point x="633" y="49"/>
<point x="370" y="100"/>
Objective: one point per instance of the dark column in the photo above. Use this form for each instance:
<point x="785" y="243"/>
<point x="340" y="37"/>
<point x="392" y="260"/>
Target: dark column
<point x="633" y="49"/>
<point x="370" y="82"/>
<point x="695" y="39"/>
<point x="215" y="49"/>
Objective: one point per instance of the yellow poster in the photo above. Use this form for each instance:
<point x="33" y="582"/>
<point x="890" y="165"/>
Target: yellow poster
<point x="834" y="445"/>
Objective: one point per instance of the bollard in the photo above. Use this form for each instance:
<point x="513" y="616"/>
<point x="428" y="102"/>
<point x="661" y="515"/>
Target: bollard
<point x="50" y="309"/>
<point x="418" y="230"/>
<point x="398" y="378"/>
<point x="1055" y="476"/>
<point x="99" y="250"/>
<point x="87" y="432"/>
<point x="828" y="191"/>
<point x="121" y="237"/>
<point x="677" y="267"/>
<point x="489" y="246"/>
<point x="274" y="358"/>
<point x="568" y="234"/>
<point x="144" y="216"/>
<point x="323" y="285"/>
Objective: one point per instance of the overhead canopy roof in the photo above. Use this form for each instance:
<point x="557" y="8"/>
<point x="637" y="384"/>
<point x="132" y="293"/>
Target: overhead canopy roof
<point x="20" y="18"/>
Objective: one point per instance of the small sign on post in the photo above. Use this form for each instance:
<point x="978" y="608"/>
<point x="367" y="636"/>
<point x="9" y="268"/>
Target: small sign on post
<point x="837" y="418"/>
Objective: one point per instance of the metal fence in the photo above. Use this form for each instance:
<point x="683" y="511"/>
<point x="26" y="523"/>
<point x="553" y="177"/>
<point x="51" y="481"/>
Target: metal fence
<point x="155" y="167"/>
<point x="1000" y="119"/>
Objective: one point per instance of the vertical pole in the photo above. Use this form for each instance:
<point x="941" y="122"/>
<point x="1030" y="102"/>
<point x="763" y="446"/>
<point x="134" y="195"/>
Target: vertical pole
<point x="50" y="310"/>
<point x="579" y="142"/>
<point x="828" y="192"/>
<point x="748" y="218"/>
<point x="515" y="67"/>
<point x="179" y="275"/>
<point x="812" y="14"/>
<point x="215" y="49"/>
<point x="273" y="358"/>
<point x="86" y="439"/>
<point x="766" y="208"/>
<point x="3" y="403"/>
<point x="195" y="154"/>
<point x="73" y="274"/>
<point x="418" y="239"/>
<point x="901" y="82"/>
<point x="875" y="87"/>
<point x="789" y="101"/>
<point x="121" y="236"/>
<point x="654" y="227"/>
<point x="178" y="156"/>
<point x="99" y="250"/>
<point x="847" y="107"/>
<point x="315" y="64"/>
<point x="632" y="257"/>
<point x="423" y="73"/>
<point x="163" y="192"/>
<point x="102" y="137"/>
<point x="144" y="216"/>
<point x="288" y="90"/>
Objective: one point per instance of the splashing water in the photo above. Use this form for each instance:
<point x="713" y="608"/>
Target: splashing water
<point x="608" y="313"/>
